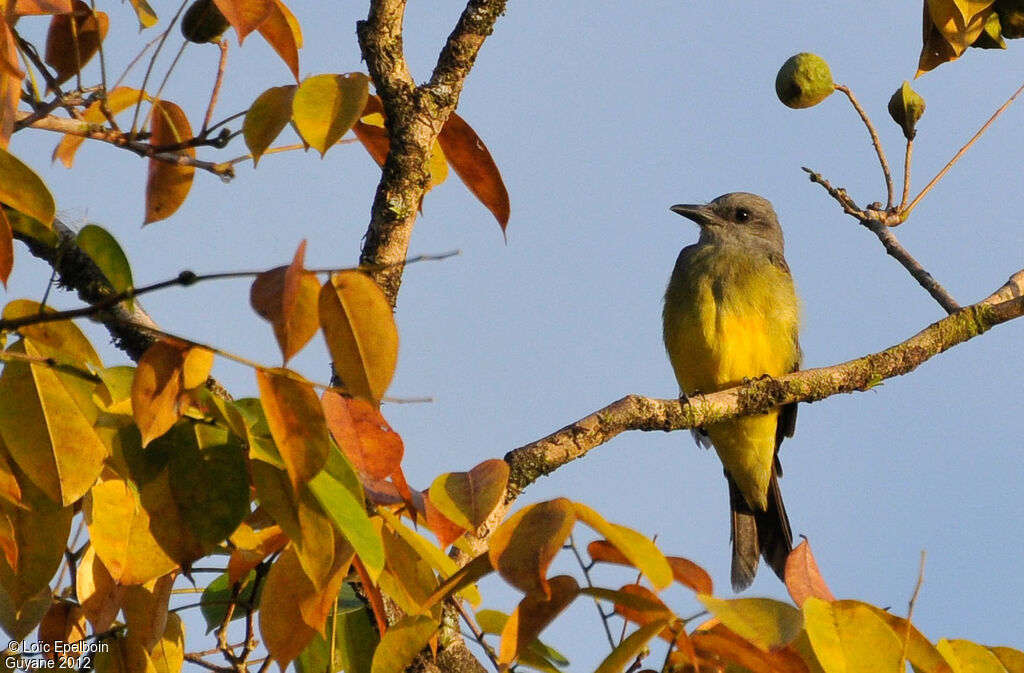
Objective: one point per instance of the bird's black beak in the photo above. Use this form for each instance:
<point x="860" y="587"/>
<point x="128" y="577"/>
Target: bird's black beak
<point x="698" y="214"/>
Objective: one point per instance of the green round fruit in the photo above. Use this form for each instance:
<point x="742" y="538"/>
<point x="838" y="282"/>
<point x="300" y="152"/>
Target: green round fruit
<point x="804" y="81"/>
<point x="203" y="22"/>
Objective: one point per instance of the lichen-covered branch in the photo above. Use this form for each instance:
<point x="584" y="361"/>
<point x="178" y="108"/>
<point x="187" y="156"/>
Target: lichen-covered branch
<point x="414" y="117"/>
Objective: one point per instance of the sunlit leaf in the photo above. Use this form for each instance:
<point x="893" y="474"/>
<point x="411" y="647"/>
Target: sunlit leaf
<point x="524" y="545"/>
<point x="145" y="609"/>
<point x="851" y="638"/>
<point x="369" y="130"/>
<point x="296" y="422"/>
<point x="919" y="650"/>
<point x="803" y="579"/>
<point x="967" y="657"/>
<point x="642" y="553"/>
<point x="104" y="250"/>
<point x="23" y="190"/>
<point x="441" y="526"/>
<point x="362" y="434"/>
<point x="326" y="106"/>
<point x="465" y="576"/>
<point x="1011" y="659"/>
<point x="266" y="118"/>
<point x="348" y="514"/>
<point x="287" y="297"/>
<point x="767" y="623"/>
<point x="11" y="76"/>
<point x="245" y="16"/>
<point x="468" y="498"/>
<point x="633" y="602"/>
<point x="168" y="184"/>
<point x="61" y="339"/>
<point x="281" y="31"/>
<point x="361" y="334"/>
<point x="251" y="547"/>
<point x="474" y="165"/>
<point x="168" y="655"/>
<point x="535" y="611"/>
<point x="97" y="593"/>
<point x="720" y="643"/>
<point x="145" y="13"/>
<point x="158" y="387"/>
<point x="36" y="7"/>
<point x="74" y="38"/>
<point x="627" y="651"/>
<point x="402" y="643"/>
<point x="64" y="623"/>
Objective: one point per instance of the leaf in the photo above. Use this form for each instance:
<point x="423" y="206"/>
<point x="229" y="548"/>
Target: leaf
<point x="362" y="434"/>
<point x="967" y="657"/>
<point x="919" y="650"/>
<point x="61" y="340"/>
<point x="326" y="106"/>
<point x="474" y="165"/>
<point x="37" y="7"/>
<point x="123" y="654"/>
<point x="464" y="577"/>
<point x="168" y="184"/>
<point x="11" y="76"/>
<point x="219" y="595"/>
<point x="281" y="31"/>
<point x="6" y="248"/>
<point x="361" y="335"/>
<point x="74" y="38"/>
<point x="145" y="609"/>
<point x="468" y="498"/>
<point x="720" y="643"/>
<point x="440" y="525"/>
<point x="407" y="578"/>
<point x="851" y="638"/>
<point x="959" y="21"/>
<point x="249" y="548"/>
<point x="23" y="190"/>
<point x="104" y="250"/>
<point x="62" y="625"/>
<point x="767" y="623"/>
<point x="642" y="553"/>
<point x="168" y="655"/>
<point x="46" y="422"/>
<point x="296" y="422"/>
<point x="690" y="574"/>
<point x="287" y="297"/>
<point x="631" y="647"/>
<point x="634" y="602"/>
<point x="97" y="593"/>
<point x="370" y="131"/>
<point x="158" y="387"/>
<point x="245" y="16"/>
<point x="266" y="118"/>
<point x="18" y="623"/>
<point x="116" y="101"/>
<point x="402" y="642"/>
<point x="803" y="579"/>
<point x="533" y="614"/>
<point x="355" y="640"/>
<point x="523" y="546"/>
<point x="1011" y="659"/>
<point x="145" y="13"/>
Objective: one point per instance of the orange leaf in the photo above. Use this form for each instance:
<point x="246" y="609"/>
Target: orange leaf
<point x="719" y="642"/>
<point x="296" y="423"/>
<point x="361" y="334"/>
<point x="468" y="498"/>
<point x="157" y="389"/>
<point x="640" y="605"/>
<point x="362" y="434"/>
<point x="99" y="596"/>
<point x="74" y="38"/>
<point x="281" y="31"/>
<point x="6" y="248"/>
<point x="168" y="184"/>
<point x="803" y="579"/>
<point x="116" y="101"/>
<point x="63" y="623"/>
<point x="10" y="82"/>
<point x="245" y="16"/>
<point x="523" y="546"/>
<point x="690" y="574"/>
<point x="287" y="297"/>
<point x="374" y="138"/>
<point x="31" y="7"/>
<point x="250" y="548"/>
<point x="266" y="118"/>
<point x="475" y="167"/>
<point x="446" y="531"/>
<point x="533" y="614"/>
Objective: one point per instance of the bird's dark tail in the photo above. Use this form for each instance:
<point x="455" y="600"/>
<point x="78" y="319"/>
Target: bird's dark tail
<point x="756" y="534"/>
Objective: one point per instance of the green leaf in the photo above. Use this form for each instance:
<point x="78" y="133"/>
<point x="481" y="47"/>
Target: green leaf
<point x="402" y="642"/>
<point x="105" y="251"/>
<point x="350" y="519"/>
<point x="767" y="623"/>
<point x="23" y="190"/>
<point x="266" y="118"/>
<point x="326" y="106"/>
<point x="216" y="599"/>
<point x="625" y="652"/>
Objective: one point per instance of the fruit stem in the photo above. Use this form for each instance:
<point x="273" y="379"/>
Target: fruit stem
<point x="874" y="140"/>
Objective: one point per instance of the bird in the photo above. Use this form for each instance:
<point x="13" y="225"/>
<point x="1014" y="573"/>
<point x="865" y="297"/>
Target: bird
<point x="731" y="314"/>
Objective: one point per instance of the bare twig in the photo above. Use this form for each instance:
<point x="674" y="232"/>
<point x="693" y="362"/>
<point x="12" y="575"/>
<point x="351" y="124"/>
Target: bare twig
<point x="585" y="567"/>
<point x="906" y="176"/>
<point x="221" y="66"/>
<point x="874" y="140"/>
<point x="910" y="608"/>
<point x="478" y="635"/>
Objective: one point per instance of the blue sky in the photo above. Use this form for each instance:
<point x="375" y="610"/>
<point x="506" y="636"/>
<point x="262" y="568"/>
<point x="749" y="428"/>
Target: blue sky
<point x="601" y="115"/>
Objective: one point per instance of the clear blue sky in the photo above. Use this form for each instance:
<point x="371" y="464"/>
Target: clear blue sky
<point x="601" y="115"/>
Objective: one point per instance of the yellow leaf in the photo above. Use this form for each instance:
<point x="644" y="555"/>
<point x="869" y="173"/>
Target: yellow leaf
<point x="266" y="118"/>
<point x="767" y="623"/>
<point x="23" y="190"/>
<point x="287" y="297"/>
<point x="145" y="13"/>
<point x="245" y="16"/>
<point x="533" y="614"/>
<point x="402" y="643"/>
<point x="851" y="638"/>
<point x="326" y="106"/>
<point x="157" y="388"/>
<point x="361" y="334"/>
<point x="967" y="657"/>
<point x="116" y="101"/>
<point x="145" y="609"/>
<point x="296" y="423"/>
<point x="468" y="498"/>
<point x="124" y="654"/>
<point x="74" y="38"/>
<point x="523" y="546"/>
<point x="1011" y="659"/>
<point x="168" y="184"/>
<point x="97" y="593"/>
<point x="641" y="552"/>
<point x="627" y="651"/>
<point x="60" y="339"/>
<point x="168" y="655"/>
<point x="196" y="366"/>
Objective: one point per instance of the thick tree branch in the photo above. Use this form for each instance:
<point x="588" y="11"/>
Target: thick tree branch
<point x="415" y="116"/>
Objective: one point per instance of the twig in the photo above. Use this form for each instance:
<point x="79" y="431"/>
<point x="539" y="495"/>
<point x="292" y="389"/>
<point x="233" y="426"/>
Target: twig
<point x="586" y="575"/>
<point x="149" y="68"/>
<point x="478" y="635"/>
<point x="910" y="608"/>
<point x="221" y="66"/>
<point x="874" y="140"/>
<point x="906" y="176"/>
<point x="956" y="157"/>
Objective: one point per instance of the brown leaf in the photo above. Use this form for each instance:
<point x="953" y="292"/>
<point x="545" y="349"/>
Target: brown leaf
<point x="719" y="642"/>
<point x="281" y="31"/>
<point x="63" y="623"/>
<point x="36" y="7"/>
<point x="803" y="579"/>
<point x="362" y="434"/>
<point x="523" y="546"/>
<point x="296" y="423"/>
<point x="6" y="248"/>
<point x="533" y="614"/>
<point x="287" y="297"/>
<point x="245" y="16"/>
<point x="474" y="165"/>
<point x="74" y="38"/>
<point x="145" y="609"/>
<point x="168" y="184"/>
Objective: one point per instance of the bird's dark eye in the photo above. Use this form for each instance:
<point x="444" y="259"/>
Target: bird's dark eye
<point x="742" y="214"/>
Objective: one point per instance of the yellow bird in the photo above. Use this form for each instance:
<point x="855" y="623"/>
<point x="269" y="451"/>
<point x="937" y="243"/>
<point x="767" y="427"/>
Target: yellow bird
<point x="731" y="313"/>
